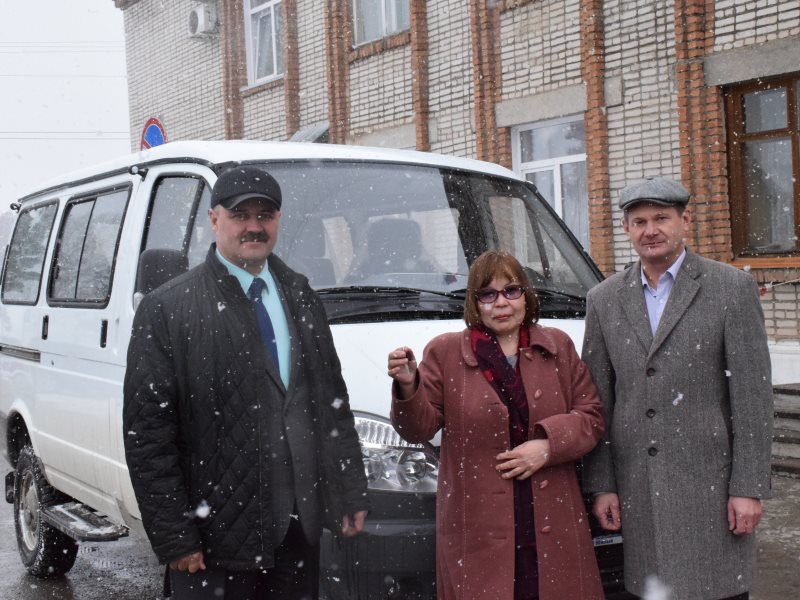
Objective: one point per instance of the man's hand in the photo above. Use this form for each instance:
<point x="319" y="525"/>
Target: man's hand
<point x="524" y="460"/>
<point x="354" y="525"/>
<point x="606" y="509"/>
<point x="744" y="514"/>
<point x="192" y="563"/>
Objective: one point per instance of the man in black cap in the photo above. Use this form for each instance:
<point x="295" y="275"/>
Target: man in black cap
<point x="677" y="347"/>
<point x="239" y="438"/>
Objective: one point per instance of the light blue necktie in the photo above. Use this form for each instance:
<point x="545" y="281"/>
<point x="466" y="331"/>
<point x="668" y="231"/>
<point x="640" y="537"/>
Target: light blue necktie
<point x="264" y="322"/>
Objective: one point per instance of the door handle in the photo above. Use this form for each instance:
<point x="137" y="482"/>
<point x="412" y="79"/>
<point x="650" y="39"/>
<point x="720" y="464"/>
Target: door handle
<point x="45" y="326"/>
<point x="103" y="332"/>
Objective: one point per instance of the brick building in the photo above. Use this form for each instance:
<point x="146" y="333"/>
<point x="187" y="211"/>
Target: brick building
<point x="579" y="96"/>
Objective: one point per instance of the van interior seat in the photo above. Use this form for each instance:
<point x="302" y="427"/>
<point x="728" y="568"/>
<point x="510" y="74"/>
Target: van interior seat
<point x="308" y="254"/>
<point x="392" y="246"/>
<point x="157" y="266"/>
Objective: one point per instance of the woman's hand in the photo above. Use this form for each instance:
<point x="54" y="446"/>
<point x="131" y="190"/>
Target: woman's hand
<point x="524" y="460"/>
<point x="402" y="367"/>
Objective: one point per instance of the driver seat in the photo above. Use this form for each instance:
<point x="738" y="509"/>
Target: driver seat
<point x="393" y="246"/>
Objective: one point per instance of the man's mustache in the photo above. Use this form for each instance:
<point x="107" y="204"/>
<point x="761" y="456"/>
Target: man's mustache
<point x="254" y="237"/>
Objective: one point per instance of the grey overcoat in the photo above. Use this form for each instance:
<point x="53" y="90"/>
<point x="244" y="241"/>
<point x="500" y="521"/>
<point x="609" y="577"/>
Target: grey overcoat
<point x="688" y="423"/>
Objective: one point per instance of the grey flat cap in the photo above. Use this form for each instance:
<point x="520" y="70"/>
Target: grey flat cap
<point x="659" y="190"/>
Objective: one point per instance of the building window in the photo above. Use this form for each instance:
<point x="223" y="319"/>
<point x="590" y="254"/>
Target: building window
<point x="264" y="40"/>
<point x="763" y="121"/>
<point x="552" y="155"/>
<point x="376" y="19"/>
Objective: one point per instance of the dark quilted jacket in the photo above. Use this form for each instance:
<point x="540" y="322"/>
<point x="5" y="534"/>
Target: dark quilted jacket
<point x="195" y="395"/>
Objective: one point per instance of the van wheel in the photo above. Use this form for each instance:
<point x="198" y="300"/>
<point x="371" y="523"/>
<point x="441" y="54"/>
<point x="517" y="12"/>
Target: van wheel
<point x="45" y="551"/>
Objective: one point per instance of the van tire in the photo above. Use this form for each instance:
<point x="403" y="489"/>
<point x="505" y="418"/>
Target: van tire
<point x="45" y="551"/>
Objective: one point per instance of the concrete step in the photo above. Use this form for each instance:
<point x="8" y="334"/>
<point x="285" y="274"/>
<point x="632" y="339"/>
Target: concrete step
<point x="786" y="405"/>
<point x="787" y="423"/>
<point x="786" y="466"/>
<point x="786" y="444"/>
<point x="787" y="414"/>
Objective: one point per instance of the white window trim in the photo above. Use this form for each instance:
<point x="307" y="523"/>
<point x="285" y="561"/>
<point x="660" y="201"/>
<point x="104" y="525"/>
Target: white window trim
<point x="251" y="52"/>
<point x="553" y="165"/>
<point x="389" y="23"/>
<point x="549" y="164"/>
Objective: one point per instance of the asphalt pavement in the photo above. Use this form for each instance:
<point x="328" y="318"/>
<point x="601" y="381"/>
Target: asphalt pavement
<point x="127" y="570"/>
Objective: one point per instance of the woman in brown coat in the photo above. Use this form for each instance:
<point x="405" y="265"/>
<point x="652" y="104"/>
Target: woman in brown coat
<point x="516" y="407"/>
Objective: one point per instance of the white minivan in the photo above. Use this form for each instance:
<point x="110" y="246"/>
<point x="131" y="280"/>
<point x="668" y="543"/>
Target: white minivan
<point x="386" y="238"/>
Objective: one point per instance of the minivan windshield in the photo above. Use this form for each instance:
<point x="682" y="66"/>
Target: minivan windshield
<point x="403" y="230"/>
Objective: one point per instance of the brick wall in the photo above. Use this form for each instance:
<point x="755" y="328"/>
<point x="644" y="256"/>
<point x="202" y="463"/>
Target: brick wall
<point x="451" y="87"/>
<point x="265" y="114"/>
<point x="540" y="47"/>
<point x="754" y="22"/>
<point x="380" y="91"/>
<point x="780" y="305"/>
<point x="170" y="75"/>
<point x="313" y="90"/>
<point x="643" y="131"/>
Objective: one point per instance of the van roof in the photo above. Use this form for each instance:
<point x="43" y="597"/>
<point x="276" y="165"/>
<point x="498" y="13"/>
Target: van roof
<point x="213" y="153"/>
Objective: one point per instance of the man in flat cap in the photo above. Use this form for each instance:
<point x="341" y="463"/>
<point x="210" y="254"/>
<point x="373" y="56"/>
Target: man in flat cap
<point x="239" y="437"/>
<point x="677" y="347"/>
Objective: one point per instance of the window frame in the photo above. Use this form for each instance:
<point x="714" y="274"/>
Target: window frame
<point x="194" y="212"/>
<point x="93" y="195"/>
<point x="389" y="23"/>
<point x="251" y="52"/>
<point x="548" y="164"/>
<point x="735" y="128"/>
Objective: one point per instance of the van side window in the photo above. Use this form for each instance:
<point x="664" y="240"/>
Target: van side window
<point x="171" y="213"/>
<point x="23" y="273"/>
<point x="84" y="261"/>
<point x="176" y="232"/>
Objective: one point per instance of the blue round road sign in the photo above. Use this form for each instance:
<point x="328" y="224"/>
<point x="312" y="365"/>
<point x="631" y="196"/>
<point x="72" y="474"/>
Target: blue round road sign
<point x="153" y="134"/>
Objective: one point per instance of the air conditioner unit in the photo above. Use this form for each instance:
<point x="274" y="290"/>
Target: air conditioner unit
<point x="203" y="20"/>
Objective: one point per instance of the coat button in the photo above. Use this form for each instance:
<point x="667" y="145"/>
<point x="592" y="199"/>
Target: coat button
<point x="652" y="451"/>
<point x="650" y="372"/>
<point x="650" y="413"/>
<point x="547" y="529"/>
<point x="543" y="484"/>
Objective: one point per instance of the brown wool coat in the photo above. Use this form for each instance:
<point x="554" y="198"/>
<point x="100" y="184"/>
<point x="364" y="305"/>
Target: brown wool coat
<point x="475" y="507"/>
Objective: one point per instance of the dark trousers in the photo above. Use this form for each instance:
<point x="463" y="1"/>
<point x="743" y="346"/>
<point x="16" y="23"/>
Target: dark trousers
<point x="295" y="576"/>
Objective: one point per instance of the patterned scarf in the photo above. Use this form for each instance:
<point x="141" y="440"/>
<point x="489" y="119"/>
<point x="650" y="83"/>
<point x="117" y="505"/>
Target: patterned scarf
<point x="504" y="378"/>
<point x="507" y="382"/>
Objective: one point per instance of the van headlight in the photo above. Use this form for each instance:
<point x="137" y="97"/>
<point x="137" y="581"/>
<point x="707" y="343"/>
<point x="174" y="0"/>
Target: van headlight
<point x="391" y="463"/>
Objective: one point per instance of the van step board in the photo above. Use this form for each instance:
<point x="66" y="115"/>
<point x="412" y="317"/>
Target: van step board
<point x="81" y="523"/>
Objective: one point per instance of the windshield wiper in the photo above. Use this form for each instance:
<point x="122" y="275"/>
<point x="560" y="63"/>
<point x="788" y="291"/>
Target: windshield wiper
<point x="388" y="291"/>
<point x="559" y="294"/>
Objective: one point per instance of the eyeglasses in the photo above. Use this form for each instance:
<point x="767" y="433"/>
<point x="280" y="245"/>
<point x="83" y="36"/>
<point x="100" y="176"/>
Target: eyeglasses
<point x="510" y="292"/>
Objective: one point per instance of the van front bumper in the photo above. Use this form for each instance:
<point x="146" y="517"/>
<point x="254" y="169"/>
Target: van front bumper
<point x="394" y="558"/>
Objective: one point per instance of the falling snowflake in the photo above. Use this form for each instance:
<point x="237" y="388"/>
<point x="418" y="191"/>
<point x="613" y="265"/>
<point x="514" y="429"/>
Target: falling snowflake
<point x="203" y="510"/>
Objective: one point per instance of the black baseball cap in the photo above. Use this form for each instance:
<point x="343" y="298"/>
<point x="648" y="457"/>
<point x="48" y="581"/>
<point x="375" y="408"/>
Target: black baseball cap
<point x="237" y="184"/>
